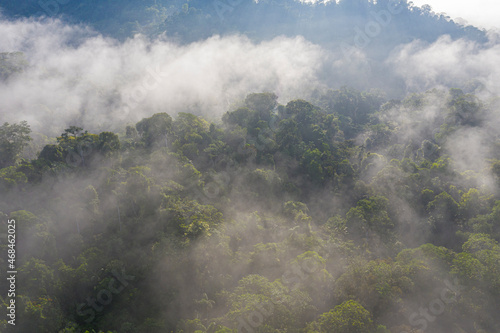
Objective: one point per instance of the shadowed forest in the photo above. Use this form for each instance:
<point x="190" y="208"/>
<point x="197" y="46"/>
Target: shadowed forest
<point x="347" y="215"/>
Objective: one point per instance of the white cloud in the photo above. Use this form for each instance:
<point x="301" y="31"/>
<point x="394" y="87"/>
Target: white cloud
<point x="79" y="77"/>
<point x="448" y="63"/>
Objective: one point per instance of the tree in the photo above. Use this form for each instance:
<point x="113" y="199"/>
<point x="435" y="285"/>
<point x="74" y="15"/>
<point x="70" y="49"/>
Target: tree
<point x="443" y="214"/>
<point x="77" y="144"/>
<point x="192" y="134"/>
<point x="311" y="163"/>
<point x="488" y="223"/>
<point x="288" y="137"/>
<point x="256" y="303"/>
<point x="52" y="154"/>
<point x="43" y="314"/>
<point x="478" y="269"/>
<point x="296" y="210"/>
<point x="10" y="177"/>
<point x="108" y="142"/>
<point x="348" y="317"/>
<point x="263" y="103"/>
<point x="243" y="117"/>
<point x="189" y="219"/>
<point x="377" y="285"/>
<point x="25" y="220"/>
<point x="472" y="204"/>
<point x="37" y="279"/>
<point x="464" y="109"/>
<point x="370" y="215"/>
<point x="495" y="168"/>
<point x="155" y="129"/>
<point x="13" y="139"/>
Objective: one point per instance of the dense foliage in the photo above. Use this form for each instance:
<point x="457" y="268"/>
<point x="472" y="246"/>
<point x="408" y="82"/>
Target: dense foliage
<point x="348" y="213"/>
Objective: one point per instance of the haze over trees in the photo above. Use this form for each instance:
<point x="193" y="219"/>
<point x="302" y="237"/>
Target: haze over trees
<point x="277" y="218"/>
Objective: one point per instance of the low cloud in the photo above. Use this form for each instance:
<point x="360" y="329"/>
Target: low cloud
<point x="76" y="76"/>
<point x="448" y="62"/>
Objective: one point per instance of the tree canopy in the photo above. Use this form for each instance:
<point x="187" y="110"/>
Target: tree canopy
<point x="308" y="216"/>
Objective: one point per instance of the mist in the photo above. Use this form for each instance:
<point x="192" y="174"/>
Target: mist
<point x="77" y="76"/>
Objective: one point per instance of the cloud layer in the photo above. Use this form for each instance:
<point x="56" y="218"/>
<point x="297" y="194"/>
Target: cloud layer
<point x="448" y="62"/>
<point x="77" y="76"/>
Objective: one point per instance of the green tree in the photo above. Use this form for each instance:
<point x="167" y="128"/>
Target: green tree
<point x="108" y="143"/>
<point x="312" y="164"/>
<point x="276" y="307"/>
<point x="348" y="317"/>
<point x="443" y="218"/>
<point x="192" y="135"/>
<point x="187" y="218"/>
<point x="370" y="215"/>
<point x="263" y="103"/>
<point x="42" y="314"/>
<point x="464" y="109"/>
<point x="472" y="204"/>
<point x="13" y="139"/>
<point x="243" y="116"/>
<point x="52" y="154"/>
<point x="288" y="137"/>
<point x="78" y="145"/>
<point x="488" y="223"/>
<point x="10" y="177"/>
<point x="37" y="279"/>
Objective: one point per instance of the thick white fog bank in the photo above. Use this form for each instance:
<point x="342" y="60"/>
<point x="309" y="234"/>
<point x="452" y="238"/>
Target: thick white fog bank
<point x="449" y="63"/>
<point x="76" y="76"/>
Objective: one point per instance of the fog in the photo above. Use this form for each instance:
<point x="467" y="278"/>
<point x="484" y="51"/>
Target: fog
<point x="76" y="75"/>
<point x="449" y="63"/>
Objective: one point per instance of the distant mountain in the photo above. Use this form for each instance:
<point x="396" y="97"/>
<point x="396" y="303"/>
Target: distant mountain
<point x="116" y="18"/>
<point x="350" y="23"/>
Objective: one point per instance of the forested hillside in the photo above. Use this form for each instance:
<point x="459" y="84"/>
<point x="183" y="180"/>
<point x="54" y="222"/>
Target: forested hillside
<point x="345" y="213"/>
<point x="326" y="22"/>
